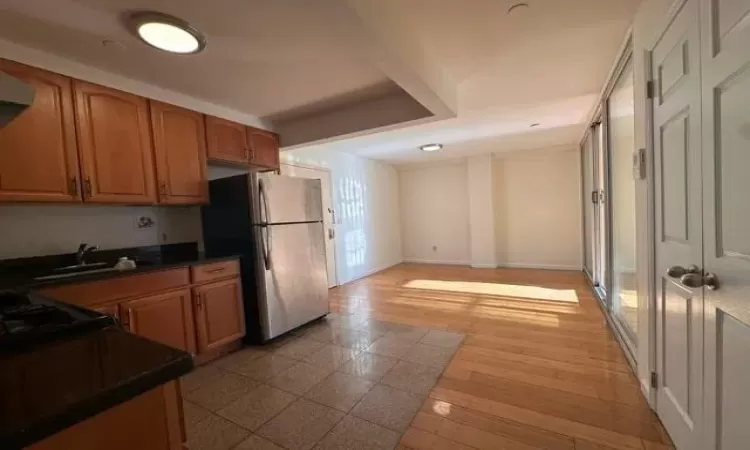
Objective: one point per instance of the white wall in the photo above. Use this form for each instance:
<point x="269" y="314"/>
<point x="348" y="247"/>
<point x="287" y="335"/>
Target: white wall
<point x="480" y="174"/>
<point x="434" y="212"/>
<point x="365" y="196"/>
<point x="538" y="209"/>
<point x="35" y="230"/>
<point x="54" y="63"/>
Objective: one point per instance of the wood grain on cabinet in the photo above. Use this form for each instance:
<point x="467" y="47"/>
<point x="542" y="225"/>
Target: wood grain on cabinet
<point x="165" y="318"/>
<point x="180" y="154"/>
<point x="95" y="293"/>
<point x="150" y="421"/>
<point x="214" y="271"/>
<point x="114" y="141"/>
<point x="38" y="149"/>
<point x="264" y="148"/>
<point x="219" y="313"/>
<point x="226" y="141"/>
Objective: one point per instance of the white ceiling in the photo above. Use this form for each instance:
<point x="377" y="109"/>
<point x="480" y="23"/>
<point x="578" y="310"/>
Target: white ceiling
<point x="262" y="58"/>
<point x="485" y="75"/>
<point x="546" y="65"/>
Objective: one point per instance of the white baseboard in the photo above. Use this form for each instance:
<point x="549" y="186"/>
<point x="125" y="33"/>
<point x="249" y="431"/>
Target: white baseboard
<point x="493" y="266"/>
<point x="540" y="266"/>
<point x="437" y="261"/>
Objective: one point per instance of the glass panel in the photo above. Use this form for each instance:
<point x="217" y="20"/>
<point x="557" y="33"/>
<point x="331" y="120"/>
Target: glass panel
<point x="587" y="163"/>
<point x="601" y="210"/>
<point x="621" y="126"/>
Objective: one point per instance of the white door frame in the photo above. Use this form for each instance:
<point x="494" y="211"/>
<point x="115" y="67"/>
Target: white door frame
<point x="333" y="221"/>
<point x="651" y="299"/>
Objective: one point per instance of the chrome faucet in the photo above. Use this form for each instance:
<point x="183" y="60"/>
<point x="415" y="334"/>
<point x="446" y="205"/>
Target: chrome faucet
<point x="84" y="250"/>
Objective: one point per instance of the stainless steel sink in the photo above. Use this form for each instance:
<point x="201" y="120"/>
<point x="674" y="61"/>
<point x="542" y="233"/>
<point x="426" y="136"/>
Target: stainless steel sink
<point x="80" y="267"/>
<point x="75" y="274"/>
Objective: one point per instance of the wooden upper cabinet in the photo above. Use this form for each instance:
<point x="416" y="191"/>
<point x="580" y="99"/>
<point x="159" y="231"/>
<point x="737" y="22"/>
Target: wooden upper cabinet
<point x="114" y="141"/>
<point x="165" y="318"/>
<point x="38" y="151"/>
<point x="219" y="313"/>
<point x="264" y="148"/>
<point x="180" y="154"/>
<point x="226" y="141"/>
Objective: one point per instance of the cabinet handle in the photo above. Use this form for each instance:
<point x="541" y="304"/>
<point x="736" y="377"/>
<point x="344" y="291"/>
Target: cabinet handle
<point x="247" y="154"/>
<point x="198" y="301"/>
<point x="163" y="188"/>
<point x="74" y="186"/>
<point x="87" y="186"/>
<point x="125" y="320"/>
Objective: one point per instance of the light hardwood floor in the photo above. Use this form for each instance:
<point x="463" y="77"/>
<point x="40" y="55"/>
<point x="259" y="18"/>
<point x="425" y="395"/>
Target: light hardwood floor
<point x="539" y="369"/>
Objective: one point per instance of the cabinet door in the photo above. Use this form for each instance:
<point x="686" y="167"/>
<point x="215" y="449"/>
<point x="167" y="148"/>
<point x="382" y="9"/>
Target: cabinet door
<point x="219" y="313"/>
<point x="165" y="318"/>
<point x="180" y="150"/>
<point x="38" y="151"/>
<point x="264" y="148"/>
<point x="114" y="140"/>
<point x="227" y="141"/>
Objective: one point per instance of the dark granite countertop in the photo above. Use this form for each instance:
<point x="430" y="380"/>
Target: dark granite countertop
<point x="56" y="385"/>
<point x="21" y="273"/>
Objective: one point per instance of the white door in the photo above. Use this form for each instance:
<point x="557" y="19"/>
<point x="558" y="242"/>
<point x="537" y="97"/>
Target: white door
<point x="675" y="70"/>
<point x="726" y="196"/>
<point x="329" y="215"/>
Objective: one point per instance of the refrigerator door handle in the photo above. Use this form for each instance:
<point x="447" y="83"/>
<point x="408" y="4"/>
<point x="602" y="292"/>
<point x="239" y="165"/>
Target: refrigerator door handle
<point x="263" y="201"/>
<point x="265" y="238"/>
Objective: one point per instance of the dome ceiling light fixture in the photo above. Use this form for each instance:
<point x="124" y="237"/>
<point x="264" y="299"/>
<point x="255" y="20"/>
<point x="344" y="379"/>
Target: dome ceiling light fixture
<point x="164" y="32"/>
<point x="431" y="147"/>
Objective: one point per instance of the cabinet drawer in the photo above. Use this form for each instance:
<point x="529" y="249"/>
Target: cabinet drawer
<point x="120" y="288"/>
<point x="215" y="271"/>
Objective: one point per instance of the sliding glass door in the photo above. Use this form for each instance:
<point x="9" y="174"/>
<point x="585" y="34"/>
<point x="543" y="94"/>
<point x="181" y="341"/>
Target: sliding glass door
<point x="607" y="155"/>
<point x="621" y="133"/>
<point x="595" y="219"/>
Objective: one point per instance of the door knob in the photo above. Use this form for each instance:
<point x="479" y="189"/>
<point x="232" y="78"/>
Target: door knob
<point x="678" y="271"/>
<point x="711" y="281"/>
<point x="696" y="280"/>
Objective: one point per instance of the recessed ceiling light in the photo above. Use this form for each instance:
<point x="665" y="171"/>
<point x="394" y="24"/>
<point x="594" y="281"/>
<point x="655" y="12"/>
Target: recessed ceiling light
<point x="166" y="32"/>
<point x="431" y="147"/>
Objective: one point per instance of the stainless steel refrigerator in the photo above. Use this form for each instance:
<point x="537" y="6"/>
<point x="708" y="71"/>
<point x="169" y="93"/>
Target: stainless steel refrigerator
<point x="275" y="223"/>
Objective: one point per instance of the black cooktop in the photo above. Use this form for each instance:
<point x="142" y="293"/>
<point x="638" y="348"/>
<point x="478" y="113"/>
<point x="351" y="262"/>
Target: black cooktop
<point x="28" y="319"/>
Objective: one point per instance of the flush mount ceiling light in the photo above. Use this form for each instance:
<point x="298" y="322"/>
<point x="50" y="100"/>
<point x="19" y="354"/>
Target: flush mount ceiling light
<point x="431" y="147"/>
<point x="166" y="32"/>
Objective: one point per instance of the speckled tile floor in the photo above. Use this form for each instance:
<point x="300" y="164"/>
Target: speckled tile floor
<point x="343" y="382"/>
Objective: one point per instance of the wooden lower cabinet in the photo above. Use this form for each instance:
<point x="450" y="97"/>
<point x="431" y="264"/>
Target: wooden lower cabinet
<point x="219" y="313"/>
<point x="108" y="310"/>
<point x="150" y="421"/>
<point x="165" y="318"/>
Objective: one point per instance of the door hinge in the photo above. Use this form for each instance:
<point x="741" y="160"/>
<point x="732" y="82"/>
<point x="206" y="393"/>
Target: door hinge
<point x="654" y="380"/>
<point x="650" y="89"/>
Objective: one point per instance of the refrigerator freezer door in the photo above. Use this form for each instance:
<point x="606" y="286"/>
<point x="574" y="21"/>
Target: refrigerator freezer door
<point x="289" y="200"/>
<point x="296" y="284"/>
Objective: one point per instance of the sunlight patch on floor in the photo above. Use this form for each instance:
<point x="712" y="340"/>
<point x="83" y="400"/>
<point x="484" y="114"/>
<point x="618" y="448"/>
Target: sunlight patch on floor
<point x="510" y="290"/>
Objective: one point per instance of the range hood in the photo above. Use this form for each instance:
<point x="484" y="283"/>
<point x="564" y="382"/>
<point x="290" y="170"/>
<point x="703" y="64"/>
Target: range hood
<point x="15" y="96"/>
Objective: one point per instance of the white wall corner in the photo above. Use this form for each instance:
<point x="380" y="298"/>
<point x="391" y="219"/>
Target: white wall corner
<point x="481" y="211"/>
